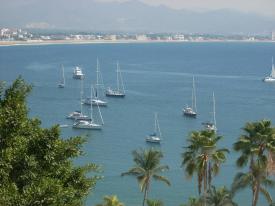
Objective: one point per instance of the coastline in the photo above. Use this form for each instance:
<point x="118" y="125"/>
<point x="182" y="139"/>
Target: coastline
<point x="56" y="42"/>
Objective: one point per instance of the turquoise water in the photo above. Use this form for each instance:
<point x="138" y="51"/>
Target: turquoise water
<point x="158" y="77"/>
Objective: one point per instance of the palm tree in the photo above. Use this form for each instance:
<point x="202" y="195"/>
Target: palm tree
<point x="202" y="157"/>
<point x="192" y="201"/>
<point x="219" y="197"/>
<point x="154" y="203"/>
<point x="111" y="200"/>
<point x="255" y="145"/>
<point x="147" y="166"/>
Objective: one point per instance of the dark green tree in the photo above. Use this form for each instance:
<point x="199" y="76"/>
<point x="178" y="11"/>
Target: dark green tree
<point x="219" y="197"/>
<point x="147" y="167"/>
<point x="36" y="164"/>
<point x="203" y="157"/>
<point x="254" y="145"/>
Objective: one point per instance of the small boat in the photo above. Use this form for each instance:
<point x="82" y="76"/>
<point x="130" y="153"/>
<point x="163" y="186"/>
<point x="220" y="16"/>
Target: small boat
<point x="212" y="126"/>
<point x="78" y="115"/>
<point x="97" y="99"/>
<point x="78" y="74"/>
<point x="191" y="111"/>
<point x="119" y="91"/>
<point x="89" y="124"/>
<point x="271" y="77"/>
<point x="62" y="82"/>
<point x="155" y="137"/>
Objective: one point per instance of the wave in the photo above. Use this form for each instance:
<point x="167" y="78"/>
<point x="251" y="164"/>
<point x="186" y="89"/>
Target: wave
<point x="212" y="76"/>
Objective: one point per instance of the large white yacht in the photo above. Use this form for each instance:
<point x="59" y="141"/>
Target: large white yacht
<point x="78" y="74"/>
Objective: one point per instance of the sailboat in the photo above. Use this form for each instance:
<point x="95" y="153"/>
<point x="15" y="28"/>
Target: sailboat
<point x="89" y="124"/>
<point x="191" y="111"/>
<point x="95" y="99"/>
<point x="62" y="82"/>
<point x="78" y="114"/>
<point x="155" y="137"/>
<point x="271" y="77"/>
<point x="212" y="126"/>
<point x="119" y="91"/>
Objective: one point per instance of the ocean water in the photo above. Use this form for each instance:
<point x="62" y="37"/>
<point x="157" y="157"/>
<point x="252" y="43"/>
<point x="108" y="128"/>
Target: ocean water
<point x="158" y="78"/>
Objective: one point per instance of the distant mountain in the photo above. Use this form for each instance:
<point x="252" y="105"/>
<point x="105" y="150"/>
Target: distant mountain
<point x="128" y="16"/>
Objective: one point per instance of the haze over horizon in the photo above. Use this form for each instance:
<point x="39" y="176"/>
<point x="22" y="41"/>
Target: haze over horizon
<point x="212" y="16"/>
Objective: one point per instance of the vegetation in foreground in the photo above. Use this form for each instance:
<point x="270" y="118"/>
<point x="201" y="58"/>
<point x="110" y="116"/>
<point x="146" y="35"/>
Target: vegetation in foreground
<point x="36" y="165"/>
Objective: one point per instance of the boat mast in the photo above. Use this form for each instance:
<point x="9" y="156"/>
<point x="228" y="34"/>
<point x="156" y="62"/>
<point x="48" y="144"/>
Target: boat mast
<point x="155" y="128"/>
<point x="214" y="111"/>
<point x="63" y="75"/>
<point x="97" y="77"/>
<point x="272" y="70"/>
<point x="91" y="107"/>
<point x="117" y="76"/>
<point x="122" y="84"/>
<point x="157" y="123"/>
<point x="194" y="100"/>
<point x="81" y="94"/>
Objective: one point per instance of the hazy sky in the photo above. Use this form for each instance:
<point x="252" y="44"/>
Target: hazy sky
<point x="263" y="7"/>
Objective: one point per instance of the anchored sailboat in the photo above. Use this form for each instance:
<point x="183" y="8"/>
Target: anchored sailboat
<point x="119" y="91"/>
<point x="191" y="111"/>
<point x="78" y="114"/>
<point x="155" y="137"/>
<point x="95" y="99"/>
<point x="271" y="77"/>
<point x="212" y="125"/>
<point x="89" y="124"/>
<point x="62" y="82"/>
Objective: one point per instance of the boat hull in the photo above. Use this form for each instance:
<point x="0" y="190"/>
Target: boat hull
<point x="187" y="114"/>
<point x="115" y="95"/>
<point x="269" y="79"/>
<point x="153" y="139"/>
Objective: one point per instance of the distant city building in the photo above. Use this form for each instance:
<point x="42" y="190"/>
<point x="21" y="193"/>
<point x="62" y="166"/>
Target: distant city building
<point x="179" y="37"/>
<point x="141" y="37"/>
<point x="273" y="36"/>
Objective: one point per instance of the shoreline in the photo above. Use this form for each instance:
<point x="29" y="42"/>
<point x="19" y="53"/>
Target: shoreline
<point x="60" y="42"/>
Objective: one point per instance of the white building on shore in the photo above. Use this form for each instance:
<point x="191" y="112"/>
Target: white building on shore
<point x="273" y="35"/>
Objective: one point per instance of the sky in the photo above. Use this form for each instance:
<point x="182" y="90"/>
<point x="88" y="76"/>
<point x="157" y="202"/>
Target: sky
<point x="263" y="7"/>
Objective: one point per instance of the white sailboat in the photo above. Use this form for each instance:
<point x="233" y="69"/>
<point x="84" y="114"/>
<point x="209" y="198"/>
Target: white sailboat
<point x="155" y="137"/>
<point x="78" y="114"/>
<point x="191" y="111"/>
<point x="95" y="99"/>
<point x="89" y="124"/>
<point x="271" y="77"/>
<point x="62" y="82"/>
<point x="120" y="90"/>
<point x="212" y="126"/>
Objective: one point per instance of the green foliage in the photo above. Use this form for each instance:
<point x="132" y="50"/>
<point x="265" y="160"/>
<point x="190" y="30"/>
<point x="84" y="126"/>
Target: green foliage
<point x="154" y="202"/>
<point x="192" y="201"/>
<point x="219" y="197"/>
<point x="202" y="157"/>
<point x="254" y="145"/>
<point x="147" y="166"/>
<point x="36" y="165"/>
<point x="111" y="200"/>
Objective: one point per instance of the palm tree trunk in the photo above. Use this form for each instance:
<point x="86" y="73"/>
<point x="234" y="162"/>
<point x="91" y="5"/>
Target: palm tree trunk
<point x="205" y="182"/>
<point x="209" y="175"/>
<point x="256" y="192"/>
<point x="145" y="194"/>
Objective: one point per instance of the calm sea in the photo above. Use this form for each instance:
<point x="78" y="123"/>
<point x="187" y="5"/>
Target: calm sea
<point x="158" y="78"/>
